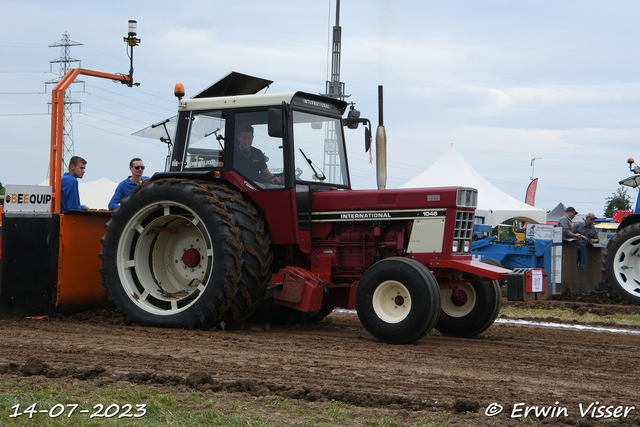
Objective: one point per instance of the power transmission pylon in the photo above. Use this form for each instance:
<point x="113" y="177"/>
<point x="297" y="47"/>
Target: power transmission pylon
<point x="65" y="60"/>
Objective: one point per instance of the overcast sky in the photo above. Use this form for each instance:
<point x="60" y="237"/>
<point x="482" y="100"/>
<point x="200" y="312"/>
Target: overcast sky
<point x="502" y="81"/>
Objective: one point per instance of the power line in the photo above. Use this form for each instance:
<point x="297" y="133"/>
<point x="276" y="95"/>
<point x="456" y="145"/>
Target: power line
<point x="129" y="105"/>
<point x="25" y="114"/>
<point x="157" y="144"/>
<point x="109" y="121"/>
<point x="23" y="93"/>
<point x="24" y="71"/>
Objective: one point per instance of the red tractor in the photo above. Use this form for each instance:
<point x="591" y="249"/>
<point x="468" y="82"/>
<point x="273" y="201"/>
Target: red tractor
<point x="255" y="219"/>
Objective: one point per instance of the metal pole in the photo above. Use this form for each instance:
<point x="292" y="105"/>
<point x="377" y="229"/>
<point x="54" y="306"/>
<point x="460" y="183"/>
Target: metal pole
<point x="533" y="167"/>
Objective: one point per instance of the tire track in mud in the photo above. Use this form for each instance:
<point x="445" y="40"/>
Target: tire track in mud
<point x="337" y="359"/>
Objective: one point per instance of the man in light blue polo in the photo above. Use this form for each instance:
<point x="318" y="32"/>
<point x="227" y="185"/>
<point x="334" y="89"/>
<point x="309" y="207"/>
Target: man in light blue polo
<point x="136" y="166"/>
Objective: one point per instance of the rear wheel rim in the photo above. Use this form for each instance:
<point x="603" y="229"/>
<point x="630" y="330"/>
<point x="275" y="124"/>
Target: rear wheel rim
<point x="451" y="305"/>
<point x="392" y="301"/>
<point x="626" y="266"/>
<point x="164" y="258"/>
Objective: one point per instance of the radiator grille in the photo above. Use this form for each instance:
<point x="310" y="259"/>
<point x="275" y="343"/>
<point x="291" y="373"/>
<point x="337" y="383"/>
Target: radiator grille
<point x="463" y="232"/>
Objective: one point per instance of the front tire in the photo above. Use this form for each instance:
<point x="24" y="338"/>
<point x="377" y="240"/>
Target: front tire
<point x="471" y="310"/>
<point x="171" y="256"/>
<point x="622" y="263"/>
<point x="398" y="300"/>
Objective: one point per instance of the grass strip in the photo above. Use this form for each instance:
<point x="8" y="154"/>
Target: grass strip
<point x="46" y="402"/>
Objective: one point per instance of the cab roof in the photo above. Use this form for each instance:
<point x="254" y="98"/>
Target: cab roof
<point x="232" y="84"/>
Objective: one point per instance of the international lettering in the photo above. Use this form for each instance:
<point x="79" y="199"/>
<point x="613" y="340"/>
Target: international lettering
<point x="370" y="215"/>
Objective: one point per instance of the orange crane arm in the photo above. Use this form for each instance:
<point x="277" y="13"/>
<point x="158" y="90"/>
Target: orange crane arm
<point x="57" y="124"/>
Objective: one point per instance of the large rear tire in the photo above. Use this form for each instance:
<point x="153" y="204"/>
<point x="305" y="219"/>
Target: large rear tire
<point x="471" y="310"/>
<point x="622" y="263"/>
<point x="398" y="300"/>
<point x="172" y="256"/>
<point x="257" y="255"/>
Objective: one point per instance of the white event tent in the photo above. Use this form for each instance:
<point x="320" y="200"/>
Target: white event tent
<point x="494" y="205"/>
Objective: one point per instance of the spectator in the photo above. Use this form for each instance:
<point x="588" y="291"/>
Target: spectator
<point x="585" y="230"/>
<point x="136" y="166"/>
<point x="566" y="224"/>
<point x="70" y="199"/>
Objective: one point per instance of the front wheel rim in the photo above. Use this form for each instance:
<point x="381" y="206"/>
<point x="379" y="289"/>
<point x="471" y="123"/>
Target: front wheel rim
<point x="392" y="301"/>
<point x="626" y="266"/>
<point x="164" y="258"/>
<point x="450" y="302"/>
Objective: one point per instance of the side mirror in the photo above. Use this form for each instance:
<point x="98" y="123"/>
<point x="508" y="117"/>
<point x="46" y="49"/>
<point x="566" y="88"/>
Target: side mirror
<point x="275" y="124"/>
<point x="367" y="139"/>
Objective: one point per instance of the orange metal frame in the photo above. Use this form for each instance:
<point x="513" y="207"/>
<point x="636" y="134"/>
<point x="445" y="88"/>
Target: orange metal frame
<point x="57" y="124"/>
<point x="79" y="284"/>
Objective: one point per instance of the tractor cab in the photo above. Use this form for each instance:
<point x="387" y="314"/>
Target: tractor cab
<point x="277" y="149"/>
<point x="267" y="142"/>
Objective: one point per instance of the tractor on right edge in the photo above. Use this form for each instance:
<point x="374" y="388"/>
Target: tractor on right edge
<point x="621" y="260"/>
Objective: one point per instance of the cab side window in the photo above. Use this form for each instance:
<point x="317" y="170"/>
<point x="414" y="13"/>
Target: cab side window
<point x="257" y="156"/>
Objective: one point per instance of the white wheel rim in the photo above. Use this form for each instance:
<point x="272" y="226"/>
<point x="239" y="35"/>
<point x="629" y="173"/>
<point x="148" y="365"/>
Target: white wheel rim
<point x="391" y="301"/>
<point x="626" y="266"/>
<point x="172" y="258"/>
<point x="453" y="309"/>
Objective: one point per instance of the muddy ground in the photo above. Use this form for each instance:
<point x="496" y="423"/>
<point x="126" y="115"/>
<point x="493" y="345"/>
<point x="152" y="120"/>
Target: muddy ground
<point x="508" y="367"/>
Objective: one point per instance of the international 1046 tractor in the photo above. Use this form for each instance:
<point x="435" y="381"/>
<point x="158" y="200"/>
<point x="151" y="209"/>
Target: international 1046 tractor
<point x="255" y="219"/>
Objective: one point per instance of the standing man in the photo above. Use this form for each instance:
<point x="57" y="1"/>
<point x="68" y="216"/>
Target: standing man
<point x="585" y="230"/>
<point x="70" y="199"/>
<point x="565" y="223"/>
<point x="136" y="166"/>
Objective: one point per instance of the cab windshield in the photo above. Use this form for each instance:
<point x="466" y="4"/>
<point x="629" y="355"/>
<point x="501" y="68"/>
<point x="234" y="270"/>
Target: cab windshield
<point x="319" y="150"/>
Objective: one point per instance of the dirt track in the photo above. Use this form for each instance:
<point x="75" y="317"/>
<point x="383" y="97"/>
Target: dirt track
<point x="337" y="359"/>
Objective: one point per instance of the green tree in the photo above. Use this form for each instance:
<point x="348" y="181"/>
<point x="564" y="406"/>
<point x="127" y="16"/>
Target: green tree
<point x="620" y="200"/>
<point x="1" y="189"/>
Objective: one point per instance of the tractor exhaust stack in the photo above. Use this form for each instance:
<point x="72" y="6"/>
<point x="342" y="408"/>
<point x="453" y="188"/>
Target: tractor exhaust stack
<point x="381" y="147"/>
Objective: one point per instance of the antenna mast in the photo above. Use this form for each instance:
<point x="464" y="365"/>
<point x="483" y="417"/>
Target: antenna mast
<point x="335" y="88"/>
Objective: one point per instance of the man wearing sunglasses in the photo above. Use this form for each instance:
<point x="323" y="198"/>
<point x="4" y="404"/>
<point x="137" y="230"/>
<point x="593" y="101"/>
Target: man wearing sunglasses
<point x="136" y="166"/>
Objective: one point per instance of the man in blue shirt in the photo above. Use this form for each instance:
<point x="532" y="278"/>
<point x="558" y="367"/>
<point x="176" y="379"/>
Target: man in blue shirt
<point x="136" y="166"/>
<point x="70" y="199"/>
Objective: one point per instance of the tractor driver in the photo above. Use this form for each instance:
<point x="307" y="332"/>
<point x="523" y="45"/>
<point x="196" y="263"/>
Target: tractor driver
<point x="251" y="161"/>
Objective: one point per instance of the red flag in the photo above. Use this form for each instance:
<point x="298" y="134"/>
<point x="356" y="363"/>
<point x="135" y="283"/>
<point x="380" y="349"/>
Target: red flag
<point x="531" y="193"/>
